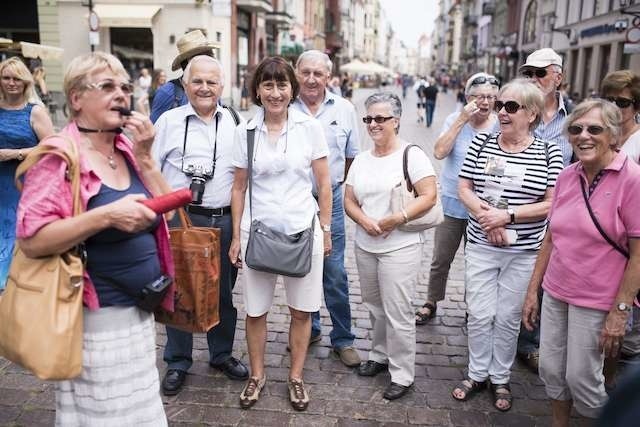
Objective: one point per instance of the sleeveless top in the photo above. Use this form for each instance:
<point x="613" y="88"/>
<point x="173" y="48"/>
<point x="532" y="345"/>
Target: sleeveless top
<point x="15" y="132"/>
<point x="128" y="259"/>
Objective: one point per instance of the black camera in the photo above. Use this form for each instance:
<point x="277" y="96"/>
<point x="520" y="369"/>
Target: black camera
<point x="199" y="176"/>
<point x="152" y="295"/>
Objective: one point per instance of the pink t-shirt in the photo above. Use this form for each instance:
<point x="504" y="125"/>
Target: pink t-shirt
<point x="46" y="197"/>
<point x="584" y="270"/>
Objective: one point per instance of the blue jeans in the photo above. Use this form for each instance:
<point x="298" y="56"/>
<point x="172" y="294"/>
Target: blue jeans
<point x="430" y="107"/>
<point x="335" y="284"/>
<point x="220" y="338"/>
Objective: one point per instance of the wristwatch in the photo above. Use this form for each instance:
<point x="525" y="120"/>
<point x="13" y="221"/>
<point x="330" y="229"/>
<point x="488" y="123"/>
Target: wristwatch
<point x="20" y="156"/>
<point x="326" y="228"/>
<point x="512" y="216"/>
<point x="623" y="306"/>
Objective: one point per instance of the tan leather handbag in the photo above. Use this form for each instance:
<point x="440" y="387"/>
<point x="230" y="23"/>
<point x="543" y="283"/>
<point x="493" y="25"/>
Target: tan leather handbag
<point x="196" y="255"/>
<point x="41" y="307"/>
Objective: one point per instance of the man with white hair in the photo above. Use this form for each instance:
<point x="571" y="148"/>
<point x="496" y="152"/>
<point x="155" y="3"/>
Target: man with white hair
<point x="544" y="68"/>
<point x="338" y="118"/>
<point x="196" y="141"/>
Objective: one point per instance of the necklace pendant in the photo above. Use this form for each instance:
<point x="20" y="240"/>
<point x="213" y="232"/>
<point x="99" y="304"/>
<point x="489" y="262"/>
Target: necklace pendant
<point x="112" y="163"/>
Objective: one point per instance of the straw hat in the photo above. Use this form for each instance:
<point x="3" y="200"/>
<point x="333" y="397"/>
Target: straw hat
<point x="191" y="44"/>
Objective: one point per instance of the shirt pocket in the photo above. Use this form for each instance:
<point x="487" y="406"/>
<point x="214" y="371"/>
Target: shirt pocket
<point x="338" y="137"/>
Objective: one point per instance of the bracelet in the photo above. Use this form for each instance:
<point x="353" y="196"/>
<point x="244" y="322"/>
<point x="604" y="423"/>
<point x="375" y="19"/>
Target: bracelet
<point x="405" y="216"/>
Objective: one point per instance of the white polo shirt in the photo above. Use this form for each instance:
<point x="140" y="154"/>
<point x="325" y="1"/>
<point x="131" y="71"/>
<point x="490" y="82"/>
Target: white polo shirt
<point x="202" y="140"/>
<point x="282" y="174"/>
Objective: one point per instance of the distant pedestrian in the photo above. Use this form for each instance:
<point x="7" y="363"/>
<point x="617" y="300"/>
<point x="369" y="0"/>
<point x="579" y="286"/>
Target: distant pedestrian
<point x="24" y="122"/>
<point x="346" y="87"/>
<point x="388" y="259"/>
<point x="141" y="94"/>
<point x="244" y="93"/>
<point x="430" y="95"/>
<point x="159" y="79"/>
<point x="459" y="129"/>
<point x="506" y="184"/>
<point x="589" y="281"/>
<point x="420" y="86"/>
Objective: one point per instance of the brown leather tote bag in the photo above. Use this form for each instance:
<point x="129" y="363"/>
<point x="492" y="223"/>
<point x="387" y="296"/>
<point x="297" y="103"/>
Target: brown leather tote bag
<point x="196" y="254"/>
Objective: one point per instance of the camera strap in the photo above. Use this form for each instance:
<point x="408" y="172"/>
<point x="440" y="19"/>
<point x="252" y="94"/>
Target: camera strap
<point x="215" y="144"/>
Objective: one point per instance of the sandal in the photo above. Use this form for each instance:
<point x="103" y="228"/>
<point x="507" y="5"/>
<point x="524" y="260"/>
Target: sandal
<point x="501" y="392"/>
<point x="469" y="387"/>
<point x="423" y="318"/>
<point x="251" y="392"/>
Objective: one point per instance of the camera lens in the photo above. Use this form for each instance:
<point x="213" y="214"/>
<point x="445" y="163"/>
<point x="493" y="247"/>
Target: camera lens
<point x="197" y="190"/>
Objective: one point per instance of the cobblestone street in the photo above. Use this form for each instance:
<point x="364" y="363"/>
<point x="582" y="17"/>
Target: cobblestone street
<point x="339" y="397"/>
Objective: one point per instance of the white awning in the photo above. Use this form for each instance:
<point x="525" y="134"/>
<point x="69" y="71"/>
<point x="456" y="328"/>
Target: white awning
<point x="126" y="15"/>
<point x="32" y="50"/>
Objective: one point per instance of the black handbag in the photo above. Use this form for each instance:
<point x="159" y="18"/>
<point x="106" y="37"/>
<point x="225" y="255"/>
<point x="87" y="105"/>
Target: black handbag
<point x="270" y="250"/>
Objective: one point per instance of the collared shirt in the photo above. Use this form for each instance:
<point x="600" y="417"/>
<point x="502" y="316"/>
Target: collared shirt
<point x="340" y="123"/>
<point x="202" y="140"/>
<point x="554" y="131"/>
<point x="282" y="197"/>
<point x="47" y="197"/>
<point x="584" y="269"/>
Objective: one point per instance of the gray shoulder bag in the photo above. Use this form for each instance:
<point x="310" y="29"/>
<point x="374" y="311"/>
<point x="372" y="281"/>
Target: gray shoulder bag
<point x="272" y="251"/>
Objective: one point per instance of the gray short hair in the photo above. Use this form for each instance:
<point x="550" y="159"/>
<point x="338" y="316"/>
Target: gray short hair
<point x="386" y="98"/>
<point x="609" y="113"/>
<point x="200" y="58"/>
<point x="317" y="56"/>
<point x="530" y="97"/>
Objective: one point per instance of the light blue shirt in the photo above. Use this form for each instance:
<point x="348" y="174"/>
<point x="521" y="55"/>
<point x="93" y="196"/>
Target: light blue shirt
<point x="554" y="131"/>
<point x="338" y="118"/>
<point x="451" y="204"/>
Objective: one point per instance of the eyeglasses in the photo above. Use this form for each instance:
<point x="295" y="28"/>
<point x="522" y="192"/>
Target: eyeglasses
<point x="109" y="86"/>
<point x="592" y="129"/>
<point x="484" y="79"/>
<point x="620" y="101"/>
<point x="510" y="107"/>
<point x="377" y="119"/>
<point x="538" y="72"/>
<point x="484" y="97"/>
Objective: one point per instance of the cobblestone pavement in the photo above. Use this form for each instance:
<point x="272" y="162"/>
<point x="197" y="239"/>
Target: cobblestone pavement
<point x="338" y="396"/>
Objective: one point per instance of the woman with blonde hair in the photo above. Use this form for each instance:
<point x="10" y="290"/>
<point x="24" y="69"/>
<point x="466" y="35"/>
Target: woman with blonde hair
<point x="127" y="244"/>
<point x="24" y="123"/>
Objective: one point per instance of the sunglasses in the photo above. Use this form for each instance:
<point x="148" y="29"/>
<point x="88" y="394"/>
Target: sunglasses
<point x="484" y="79"/>
<point x="592" y="129"/>
<point x="109" y="86"/>
<point x="538" y="72"/>
<point x="620" y="102"/>
<point x="510" y="107"/>
<point x="377" y="119"/>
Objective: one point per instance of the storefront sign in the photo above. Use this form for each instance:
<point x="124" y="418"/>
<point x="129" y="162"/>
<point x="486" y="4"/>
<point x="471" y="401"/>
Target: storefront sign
<point x="631" y="48"/>
<point x="598" y="30"/>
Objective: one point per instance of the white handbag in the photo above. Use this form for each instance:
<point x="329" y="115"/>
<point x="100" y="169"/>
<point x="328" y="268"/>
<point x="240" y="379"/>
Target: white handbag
<point x="402" y="195"/>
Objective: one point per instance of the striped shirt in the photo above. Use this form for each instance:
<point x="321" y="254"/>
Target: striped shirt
<point x="554" y="131"/>
<point x="508" y="180"/>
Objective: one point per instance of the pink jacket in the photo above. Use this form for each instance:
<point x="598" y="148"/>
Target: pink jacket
<point x="46" y="197"/>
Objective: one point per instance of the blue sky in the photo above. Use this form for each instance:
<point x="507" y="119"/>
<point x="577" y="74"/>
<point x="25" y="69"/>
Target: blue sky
<point x="411" y="18"/>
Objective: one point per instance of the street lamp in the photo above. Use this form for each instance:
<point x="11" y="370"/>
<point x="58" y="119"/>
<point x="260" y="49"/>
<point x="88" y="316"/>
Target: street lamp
<point x="552" y="23"/>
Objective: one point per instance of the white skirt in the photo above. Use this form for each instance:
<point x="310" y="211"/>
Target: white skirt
<point x="119" y="384"/>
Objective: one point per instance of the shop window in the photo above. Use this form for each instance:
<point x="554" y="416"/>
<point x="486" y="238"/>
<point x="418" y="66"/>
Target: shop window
<point x="530" y="20"/>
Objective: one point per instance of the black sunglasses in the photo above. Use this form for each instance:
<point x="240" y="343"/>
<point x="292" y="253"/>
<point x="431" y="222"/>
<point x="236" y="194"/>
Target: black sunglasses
<point x="484" y="79"/>
<point x="592" y="129"/>
<point x="620" y="101"/>
<point x="377" y="119"/>
<point x="538" y="72"/>
<point x="510" y="107"/>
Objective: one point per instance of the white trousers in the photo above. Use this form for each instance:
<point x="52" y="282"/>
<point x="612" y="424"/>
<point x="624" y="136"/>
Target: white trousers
<point x="496" y="284"/>
<point x="570" y="356"/>
<point x="388" y="284"/>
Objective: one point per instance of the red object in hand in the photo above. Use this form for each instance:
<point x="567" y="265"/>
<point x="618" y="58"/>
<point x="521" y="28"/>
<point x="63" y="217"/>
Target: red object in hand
<point x="168" y="202"/>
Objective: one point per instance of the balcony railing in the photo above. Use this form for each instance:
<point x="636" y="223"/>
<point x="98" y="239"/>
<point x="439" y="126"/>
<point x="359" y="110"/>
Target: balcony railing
<point x="256" y="6"/>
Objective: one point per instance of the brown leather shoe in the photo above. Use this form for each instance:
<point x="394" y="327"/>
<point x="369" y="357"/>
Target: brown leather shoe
<point x="298" y="395"/>
<point x="349" y="356"/>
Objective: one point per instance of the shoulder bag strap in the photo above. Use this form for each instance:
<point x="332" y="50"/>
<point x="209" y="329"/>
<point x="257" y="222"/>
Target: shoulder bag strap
<point x="250" y="141"/>
<point x="234" y="113"/>
<point x="405" y="168"/>
<point x="597" y="224"/>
